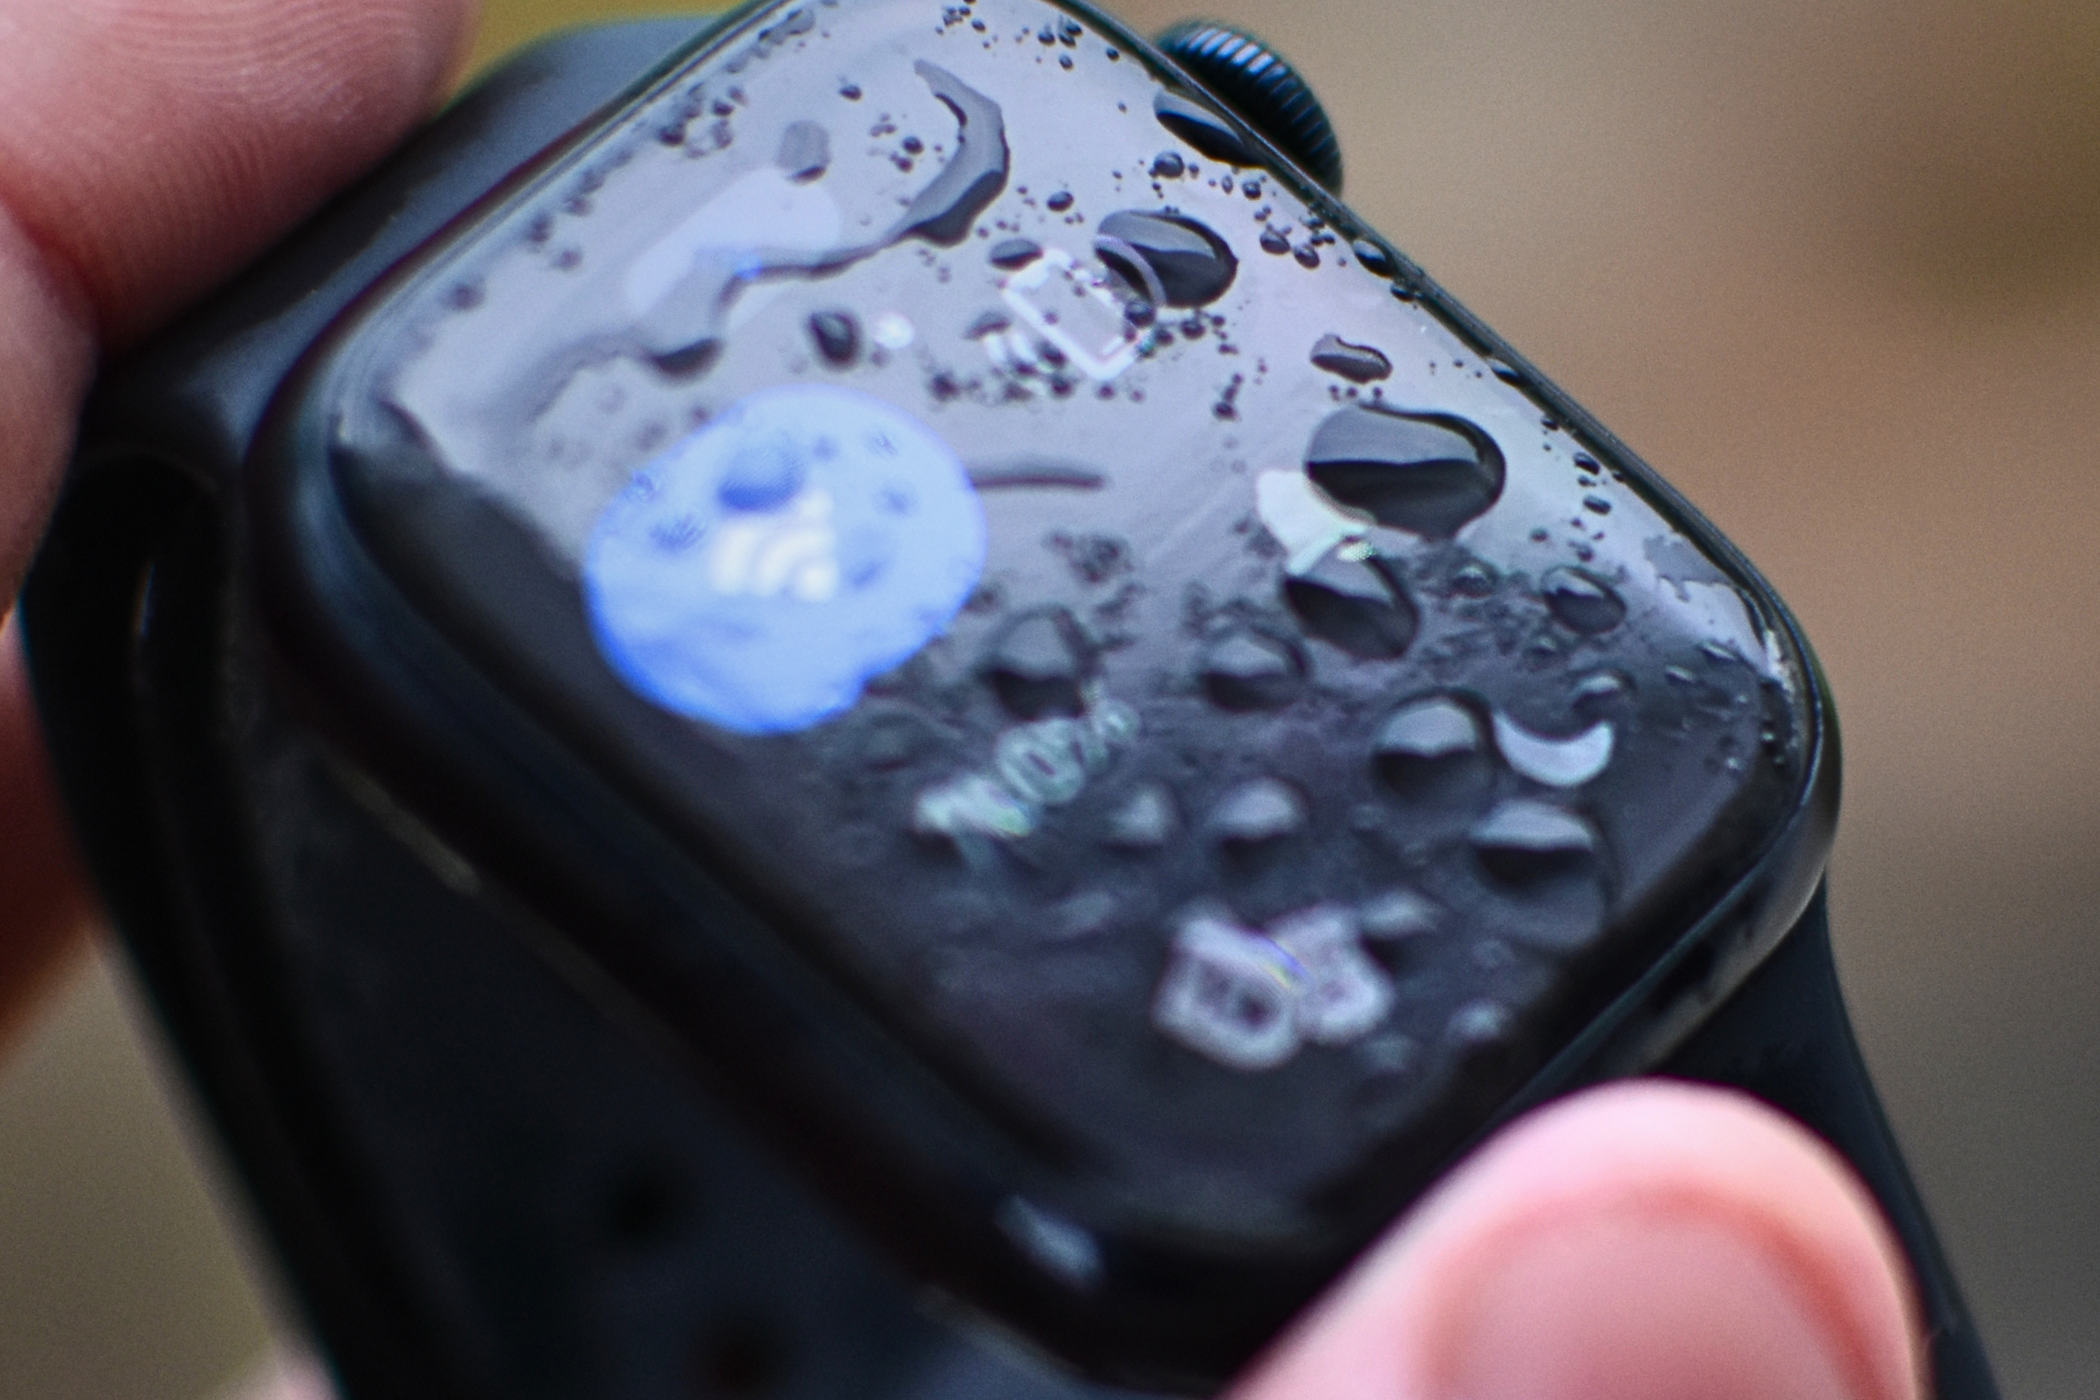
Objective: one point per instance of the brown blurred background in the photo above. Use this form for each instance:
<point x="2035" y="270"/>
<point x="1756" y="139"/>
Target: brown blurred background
<point x="1833" y="267"/>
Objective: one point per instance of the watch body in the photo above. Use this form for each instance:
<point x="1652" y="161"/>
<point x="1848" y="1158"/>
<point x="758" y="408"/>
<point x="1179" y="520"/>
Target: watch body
<point x="963" y="637"/>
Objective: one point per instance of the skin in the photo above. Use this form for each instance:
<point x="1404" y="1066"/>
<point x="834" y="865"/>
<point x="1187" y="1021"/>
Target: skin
<point x="1644" y="1240"/>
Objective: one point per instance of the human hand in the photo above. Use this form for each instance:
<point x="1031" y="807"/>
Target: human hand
<point x="1640" y="1241"/>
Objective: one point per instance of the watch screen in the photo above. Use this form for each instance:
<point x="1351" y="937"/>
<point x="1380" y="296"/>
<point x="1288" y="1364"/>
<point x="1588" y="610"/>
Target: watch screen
<point x="999" y="523"/>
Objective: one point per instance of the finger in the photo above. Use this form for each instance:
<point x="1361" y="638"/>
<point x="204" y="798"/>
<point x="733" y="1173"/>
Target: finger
<point x="150" y="147"/>
<point x="1646" y="1241"/>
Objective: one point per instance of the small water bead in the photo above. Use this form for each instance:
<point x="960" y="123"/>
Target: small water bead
<point x="1274" y="243"/>
<point x="1398" y="914"/>
<point x="1168" y="165"/>
<point x="1580" y="601"/>
<point x="1307" y="255"/>
<point x="1359" y="607"/>
<point x="1425" y="473"/>
<point x="1596" y="505"/>
<point x="1059" y="202"/>
<point x="1556" y="762"/>
<point x="851" y="92"/>
<point x="1038" y="665"/>
<point x="1252" y="671"/>
<point x="1474" y="579"/>
<point x="1601" y="691"/>
<point x="837" y="336"/>
<point x="1013" y="254"/>
<point x="1359" y="364"/>
<point x="1373" y="257"/>
<point x="1257" y="813"/>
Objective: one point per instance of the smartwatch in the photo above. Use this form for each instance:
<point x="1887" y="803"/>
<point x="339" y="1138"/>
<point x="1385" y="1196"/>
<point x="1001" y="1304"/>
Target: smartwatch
<point x="854" y="700"/>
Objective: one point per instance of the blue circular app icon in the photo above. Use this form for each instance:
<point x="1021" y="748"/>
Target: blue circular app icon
<point x="757" y="574"/>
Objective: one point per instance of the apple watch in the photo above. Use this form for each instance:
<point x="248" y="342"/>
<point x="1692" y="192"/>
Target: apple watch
<point x="856" y="700"/>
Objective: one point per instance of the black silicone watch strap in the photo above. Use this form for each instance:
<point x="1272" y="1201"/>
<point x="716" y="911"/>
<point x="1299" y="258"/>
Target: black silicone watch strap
<point x="1786" y="1038"/>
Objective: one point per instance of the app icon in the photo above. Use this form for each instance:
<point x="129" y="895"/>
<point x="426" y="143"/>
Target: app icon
<point x="759" y="573"/>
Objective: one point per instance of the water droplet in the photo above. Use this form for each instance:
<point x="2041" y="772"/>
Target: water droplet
<point x="1059" y="202"/>
<point x="1566" y="763"/>
<point x="988" y="323"/>
<point x="1252" y="671"/>
<point x="1168" y="165"/>
<point x="1145" y="822"/>
<point x="1360" y="364"/>
<point x="1507" y="373"/>
<point x="1013" y="254"/>
<point x="1596" y="505"/>
<point x="1307" y="255"/>
<point x="1201" y="127"/>
<point x="1525" y="842"/>
<point x="1064" y="61"/>
<point x="1581" y="601"/>
<point x="1358" y="607"/>
<point x="851" y="92"/>
<point x="805" y="151"/>
<point x="837" y="336"/>
<point x="945" y="210"/>
<point x="762" y="477"/>
<point x="1258" y="812"/>
<point x="1274" y="243"/>
<point x="1038" y="665"/>
<point x="1601" y="691"/>
<point x="1188" y="264"/>
<point x="1398" y="914"/>
<point x="1373" y="257"/>
<point x="1425" y="473"/>
<point x="1432" y="750"/>
<point x="1474" y="579"/>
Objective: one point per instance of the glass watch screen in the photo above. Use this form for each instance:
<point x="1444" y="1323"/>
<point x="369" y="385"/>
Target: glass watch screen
<point x="1167" y="672"/>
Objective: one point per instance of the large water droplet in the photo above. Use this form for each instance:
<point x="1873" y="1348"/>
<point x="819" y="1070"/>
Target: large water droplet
<point x="1567" y="763"/>
<point x="1252" y="671"/>
<point x="1258" y="812"/>
<point x="1359" y="364"/>
<point x="1188" y="264"/>
<point x="1525" y="842"/>
<point x="1421" y="472"/>
<point x="1201" y="127"/>
<point x="1038" y="665"/>
<point x="1432" y="750"/>
<point x="944" y="211"/>
<point x="1359" y="607"/>
<point x="1581" y="601"/>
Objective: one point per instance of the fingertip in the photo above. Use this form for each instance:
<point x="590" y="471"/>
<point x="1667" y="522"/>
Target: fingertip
<point x="1643" y="1239"/>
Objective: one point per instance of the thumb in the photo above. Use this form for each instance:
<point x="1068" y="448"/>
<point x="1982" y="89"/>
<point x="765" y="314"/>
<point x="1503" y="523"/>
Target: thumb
<point x="1646" y="1241"/>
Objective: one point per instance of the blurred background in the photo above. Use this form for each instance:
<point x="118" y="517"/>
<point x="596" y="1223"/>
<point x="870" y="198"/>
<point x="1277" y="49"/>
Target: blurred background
<point x="1834" y="267"/>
